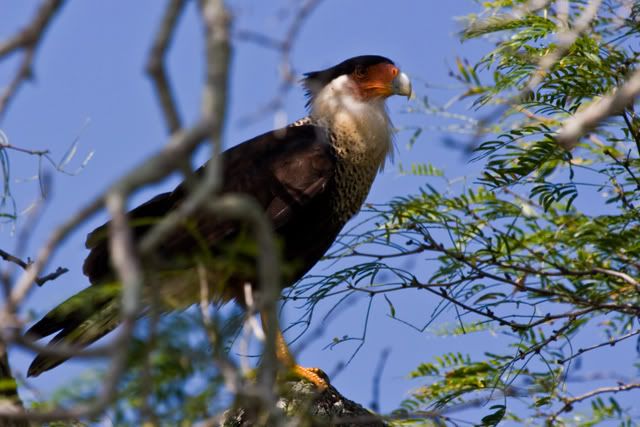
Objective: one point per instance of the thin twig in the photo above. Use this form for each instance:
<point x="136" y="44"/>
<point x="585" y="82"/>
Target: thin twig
<point x="569" y="402"/>
<point x="611" y="342"/>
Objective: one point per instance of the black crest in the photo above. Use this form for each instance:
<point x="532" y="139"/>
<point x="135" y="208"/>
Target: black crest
<point x="316" y="80"/>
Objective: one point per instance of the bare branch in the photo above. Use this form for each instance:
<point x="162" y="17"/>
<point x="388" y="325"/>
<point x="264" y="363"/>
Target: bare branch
<point x="11" y="258"/>
<point x="611" y="342"/>
<point x="28" y="40"/>
<point x="51" y="276"/>
<point x="149" y="171"/>
<point x="124" y="256"/>
<point x="5" y="144"/>
<point x="156" y="64"/>
<point x="570" y="401"/>
<point x="287" y="71"/>
<point x="126" y="265"/>
<point x="26" y="281"/>
<point x="217" y="23"/>
<point x="181" y="145"/>
<point x="24" y="265"/>
<point x="584" y="121"/>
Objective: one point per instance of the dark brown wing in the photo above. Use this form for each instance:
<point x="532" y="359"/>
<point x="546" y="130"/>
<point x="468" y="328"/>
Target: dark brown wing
<point x="284" y="170"/>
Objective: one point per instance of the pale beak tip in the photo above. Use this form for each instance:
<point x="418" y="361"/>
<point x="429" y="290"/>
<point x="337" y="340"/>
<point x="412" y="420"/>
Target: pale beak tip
<point x="402" y="86"/>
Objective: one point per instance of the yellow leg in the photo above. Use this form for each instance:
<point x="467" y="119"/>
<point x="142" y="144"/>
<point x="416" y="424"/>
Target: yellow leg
<point x="313" y="375"/>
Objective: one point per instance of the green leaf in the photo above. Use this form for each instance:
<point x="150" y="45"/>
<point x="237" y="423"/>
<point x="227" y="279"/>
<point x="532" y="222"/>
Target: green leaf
<point x="543" y="401"/>
<point x="494" y="418"/>
<point x="490" y="296"/>
<point x="392" y="309"/>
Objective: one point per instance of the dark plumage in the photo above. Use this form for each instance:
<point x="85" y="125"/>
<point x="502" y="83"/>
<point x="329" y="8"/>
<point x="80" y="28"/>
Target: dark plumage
<point x="309" y="178"/>
<point x="290" y="172"/>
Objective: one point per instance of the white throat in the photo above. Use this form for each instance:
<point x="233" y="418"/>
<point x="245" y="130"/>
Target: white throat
<point x="362" y="128"/>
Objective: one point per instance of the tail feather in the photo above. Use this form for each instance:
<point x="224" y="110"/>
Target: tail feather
<point x="81" y="320"/>
<point x="73" y="311"/>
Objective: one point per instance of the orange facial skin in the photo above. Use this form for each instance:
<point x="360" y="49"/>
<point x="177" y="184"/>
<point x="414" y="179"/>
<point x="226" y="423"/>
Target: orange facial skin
<point x="375" y="82"/>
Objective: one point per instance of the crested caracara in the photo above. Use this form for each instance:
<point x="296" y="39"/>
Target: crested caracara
<point x="310" y="178"/>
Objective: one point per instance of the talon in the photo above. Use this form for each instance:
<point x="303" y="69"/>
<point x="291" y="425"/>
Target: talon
<point x="322" y="374"/>
<point x="314" y="375"/>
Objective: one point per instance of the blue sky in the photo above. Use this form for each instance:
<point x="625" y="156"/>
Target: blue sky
<point x="90" y="83"/>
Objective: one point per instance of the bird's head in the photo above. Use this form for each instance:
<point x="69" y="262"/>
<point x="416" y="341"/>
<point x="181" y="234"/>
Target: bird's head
<point x="366" y="78"/>
<point x="349" y="99"/>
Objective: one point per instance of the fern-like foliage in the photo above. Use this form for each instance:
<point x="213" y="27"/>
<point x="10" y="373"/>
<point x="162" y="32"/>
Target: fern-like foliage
<point x="543" y="247"/>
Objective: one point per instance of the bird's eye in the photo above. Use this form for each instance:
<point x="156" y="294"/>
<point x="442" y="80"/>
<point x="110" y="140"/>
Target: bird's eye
<point x="359" y="72"/>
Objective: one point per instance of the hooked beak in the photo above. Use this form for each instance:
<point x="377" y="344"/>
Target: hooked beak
<point x="401" y="85"/>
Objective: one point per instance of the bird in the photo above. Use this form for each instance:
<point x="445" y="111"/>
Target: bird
<point x="310" y="178"/>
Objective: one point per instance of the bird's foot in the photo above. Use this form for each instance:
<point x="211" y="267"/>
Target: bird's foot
<point x="316" y="376"/>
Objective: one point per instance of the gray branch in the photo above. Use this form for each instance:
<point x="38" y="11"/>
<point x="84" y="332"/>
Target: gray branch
<point x="28" y="40"/>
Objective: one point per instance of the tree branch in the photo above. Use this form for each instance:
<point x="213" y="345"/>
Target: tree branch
<point x="24" y="265"/>
<point x="28" y="39"/>
<point x="570" y="401"/>
<point x="156" y="64"/>
<point x="583" y="121"/>
<point x="284" y="47"/>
